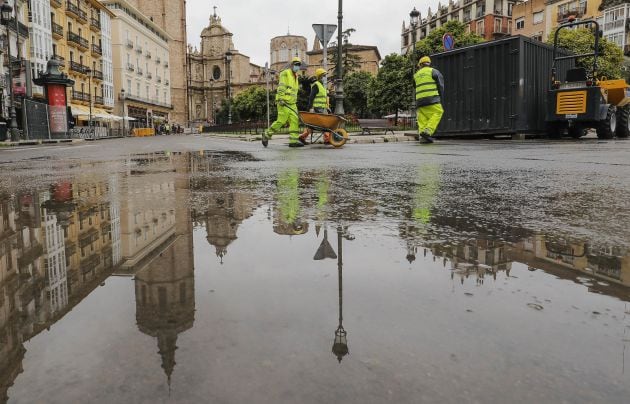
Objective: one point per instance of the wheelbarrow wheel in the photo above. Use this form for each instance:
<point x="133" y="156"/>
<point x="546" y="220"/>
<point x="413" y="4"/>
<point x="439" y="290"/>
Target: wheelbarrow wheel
<point x="339" y="137"/>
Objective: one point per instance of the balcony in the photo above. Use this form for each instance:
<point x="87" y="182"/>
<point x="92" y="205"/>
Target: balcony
<point x="57" y="31"/>
<point x="159" y="79"/>
<point x="129" y="44"/>
<point x="22" y="29"/>
<point x="149" y="75"/>
<point x="98" y="99"/>
<point x="148" y="101"/>
<point x="167" y="82"/>
<point x="75" y="39"/>
<point x="95" y="24"/>
<point x="166" y="63"/>
<point x="56" y="3"/>
<point x="158" y="60"/>
<point x="139" y="71"/>
<point x="501" y="30"/>
<point x="615" y="25"/>
<point x="97" y="74"/>
<point x="577" y="12"/>
<point x="97" y="50"/>
<point x="148" y="55"/>
<point x="626" y="50"/>
<point x="131" y="67"/>
<point x="78" y="67"/>
<point x="138" y="48"/>
<point x="80" y="96"/>
<point x="73" y="10"/>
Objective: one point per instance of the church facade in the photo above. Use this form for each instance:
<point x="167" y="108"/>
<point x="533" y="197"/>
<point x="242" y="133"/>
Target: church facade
<point x="216" y="71"/>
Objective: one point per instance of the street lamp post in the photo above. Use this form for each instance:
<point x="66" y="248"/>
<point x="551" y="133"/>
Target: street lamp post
<point x="123" y="96"/>
<point x="212" y="120"/>
<point x="414" y="15"/>
<point x="228" y="60"/>
<point x="6" y="12"/>
<point x="339" y="88"/>
<point x="90" y="127"/>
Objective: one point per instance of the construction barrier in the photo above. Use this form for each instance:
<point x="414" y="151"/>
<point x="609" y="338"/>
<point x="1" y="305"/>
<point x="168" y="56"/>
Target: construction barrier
<point x="139" y="132"/>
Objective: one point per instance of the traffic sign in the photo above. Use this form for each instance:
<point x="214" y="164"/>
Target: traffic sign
<point x="324" y="32"/>
<point x="448" y="41"/>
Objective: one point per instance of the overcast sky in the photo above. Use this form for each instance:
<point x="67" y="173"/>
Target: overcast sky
<point x="254" y="23"/>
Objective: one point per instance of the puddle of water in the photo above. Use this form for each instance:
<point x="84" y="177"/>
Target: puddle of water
<point x="197" y="277"/>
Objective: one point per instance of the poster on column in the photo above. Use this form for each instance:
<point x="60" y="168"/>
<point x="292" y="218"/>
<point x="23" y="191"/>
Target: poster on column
<point x="57" y="108"/>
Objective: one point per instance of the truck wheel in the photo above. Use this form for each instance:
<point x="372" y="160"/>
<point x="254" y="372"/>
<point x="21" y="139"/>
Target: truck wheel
<point x="606" y="128"/>
<point x="623" y="122"/>
<point x="577" y="131"/>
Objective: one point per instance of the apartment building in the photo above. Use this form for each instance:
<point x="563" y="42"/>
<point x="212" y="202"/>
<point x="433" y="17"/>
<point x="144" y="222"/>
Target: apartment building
<point x="560" y="11"/>
<point x="615" y="25"/>
<point x="529" y="19"/>
<point x="491" y="19"/>
<point x="140" y="56"/>
<point x="41" y="39"/>
<point x="78" y="44"/>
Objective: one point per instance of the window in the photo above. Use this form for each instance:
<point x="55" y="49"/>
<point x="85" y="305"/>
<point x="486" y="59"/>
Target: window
<point x="498" y="24"/>
<point x="481" y="9"/>
<point x="481" y="28"/>
<point x="539" y="17"/>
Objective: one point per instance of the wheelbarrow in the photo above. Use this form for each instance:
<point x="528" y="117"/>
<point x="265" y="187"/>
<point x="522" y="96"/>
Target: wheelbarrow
<point x="324" y="124"/>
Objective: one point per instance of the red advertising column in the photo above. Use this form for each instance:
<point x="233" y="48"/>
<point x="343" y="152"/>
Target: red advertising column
<point x="57" y="108"/>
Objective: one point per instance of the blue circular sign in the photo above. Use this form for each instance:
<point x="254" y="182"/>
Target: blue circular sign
<point x="448" y="41"/>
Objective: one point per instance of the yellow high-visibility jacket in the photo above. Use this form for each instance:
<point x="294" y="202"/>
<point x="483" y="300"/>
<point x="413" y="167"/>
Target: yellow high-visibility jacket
<point x="287" y="87"/>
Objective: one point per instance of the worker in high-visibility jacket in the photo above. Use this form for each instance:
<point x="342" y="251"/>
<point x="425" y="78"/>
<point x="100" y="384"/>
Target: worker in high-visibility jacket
<point x="318" y="100"/>
<point x="286" y="102"/>
<point x="429" y="90"/>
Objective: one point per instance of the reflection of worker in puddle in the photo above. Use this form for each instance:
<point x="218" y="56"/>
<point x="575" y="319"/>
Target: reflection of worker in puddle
<point x="288" y="220"/>
<point x="424" y="197"/>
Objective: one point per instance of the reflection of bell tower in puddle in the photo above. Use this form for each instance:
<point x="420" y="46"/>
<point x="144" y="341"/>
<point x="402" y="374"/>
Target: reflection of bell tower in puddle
<point x="165" y="286"/>
<point x="225" y="211"/>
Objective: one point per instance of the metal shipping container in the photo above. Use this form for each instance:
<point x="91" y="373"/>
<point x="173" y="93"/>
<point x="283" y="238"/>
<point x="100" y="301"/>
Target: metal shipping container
<point x="497" y="87"/>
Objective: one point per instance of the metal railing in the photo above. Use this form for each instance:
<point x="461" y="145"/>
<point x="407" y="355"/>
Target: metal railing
<point x="74" y="9"/>
<point x="149" y="75"/>
<point x="148" y="101"/>
<point x="98" y="99"/>
<point x="130" y="67"/>
<point x="97" y="74"/>
<point x="129" y="43"/>
<point x="77" y="39"/>
<point x="80" y="96"/>
<point x="97" y="49"/>
<point x="94" y="23"/>
<point x="576" y="12"/>
<point x="57" y="29"/>
<point x="78" y="67"/>
<point x="148" y="54"/>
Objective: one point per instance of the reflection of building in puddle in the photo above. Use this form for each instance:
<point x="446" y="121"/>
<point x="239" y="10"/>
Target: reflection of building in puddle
<point x="477" y="259"/>
<point x="58" y="244"/>
<point x="165" y="283"/>
<point x="608" y="264"/>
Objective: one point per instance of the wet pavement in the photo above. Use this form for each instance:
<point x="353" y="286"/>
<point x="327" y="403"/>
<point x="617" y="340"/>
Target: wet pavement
<point x="197" y="270"/>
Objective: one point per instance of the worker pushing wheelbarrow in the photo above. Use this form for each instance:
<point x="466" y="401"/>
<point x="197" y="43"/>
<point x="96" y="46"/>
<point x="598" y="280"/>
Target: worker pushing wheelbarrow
<point x="328" y="126"/>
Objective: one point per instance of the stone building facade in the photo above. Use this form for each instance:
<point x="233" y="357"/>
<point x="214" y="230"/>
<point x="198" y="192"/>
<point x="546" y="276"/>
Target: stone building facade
<point x="171" y="17"/>
<point x="211" y="76"/>
<point x="286" y="47"/>
<point x="369" y="58"/>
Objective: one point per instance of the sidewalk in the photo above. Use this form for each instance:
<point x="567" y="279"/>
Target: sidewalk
<point x="35" y="142"/>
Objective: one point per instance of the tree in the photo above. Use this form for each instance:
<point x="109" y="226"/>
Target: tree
<point x="393" y="87"/>
<point x="580" y="41"/>
<point x="351" y="62"/>
<point x="356" y="88"/>
<point x="433" y="42"/>
<point x="249" y="105"/>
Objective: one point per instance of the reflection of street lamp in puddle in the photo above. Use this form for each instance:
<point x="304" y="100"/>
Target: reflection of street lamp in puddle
<point x="325" y="250"/>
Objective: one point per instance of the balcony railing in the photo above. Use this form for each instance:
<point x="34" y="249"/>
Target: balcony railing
<point x="159" y="79"/>
<point x="60" y="59"/>
<point x="129" y="43"/>
<point x="148" y="54"/>
<point x="167" y="82"/>
<point x="57" y="29"/>
<point x="97" y="74"/>
<point x="501" y="30"/>
<point x="158" y="60"/>
<point x="78" y="67"/>
<point x="98" y="99"/>
<point x="138" y="48"/>
<point x="95" y="24"/>
<point x="80" y="96"/>
<point x="74" y="9"/>
<point x="166" y="63"/>
<point x="56" y="3"/>
<point x="149" y="75"/>
<point x="23" y="29"/>
<point x="131" y="67"/>
<point x="97" y="49"/>
<point x="577" y="12"/>
<point x="139" y="71"/>
<point x="77" y="39"/>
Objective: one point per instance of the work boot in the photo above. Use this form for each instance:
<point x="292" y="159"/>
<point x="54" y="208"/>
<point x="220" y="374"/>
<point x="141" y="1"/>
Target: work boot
<point x="265" y="139"/>
<point x="426" y="136"/>
<point x="296" y="144"/>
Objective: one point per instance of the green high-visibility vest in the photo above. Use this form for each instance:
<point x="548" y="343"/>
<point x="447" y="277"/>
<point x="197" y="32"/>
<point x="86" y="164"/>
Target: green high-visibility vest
<point x="287" y="87"/>
<point x="321" y="99"/>
<point x="426" y="86"/>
